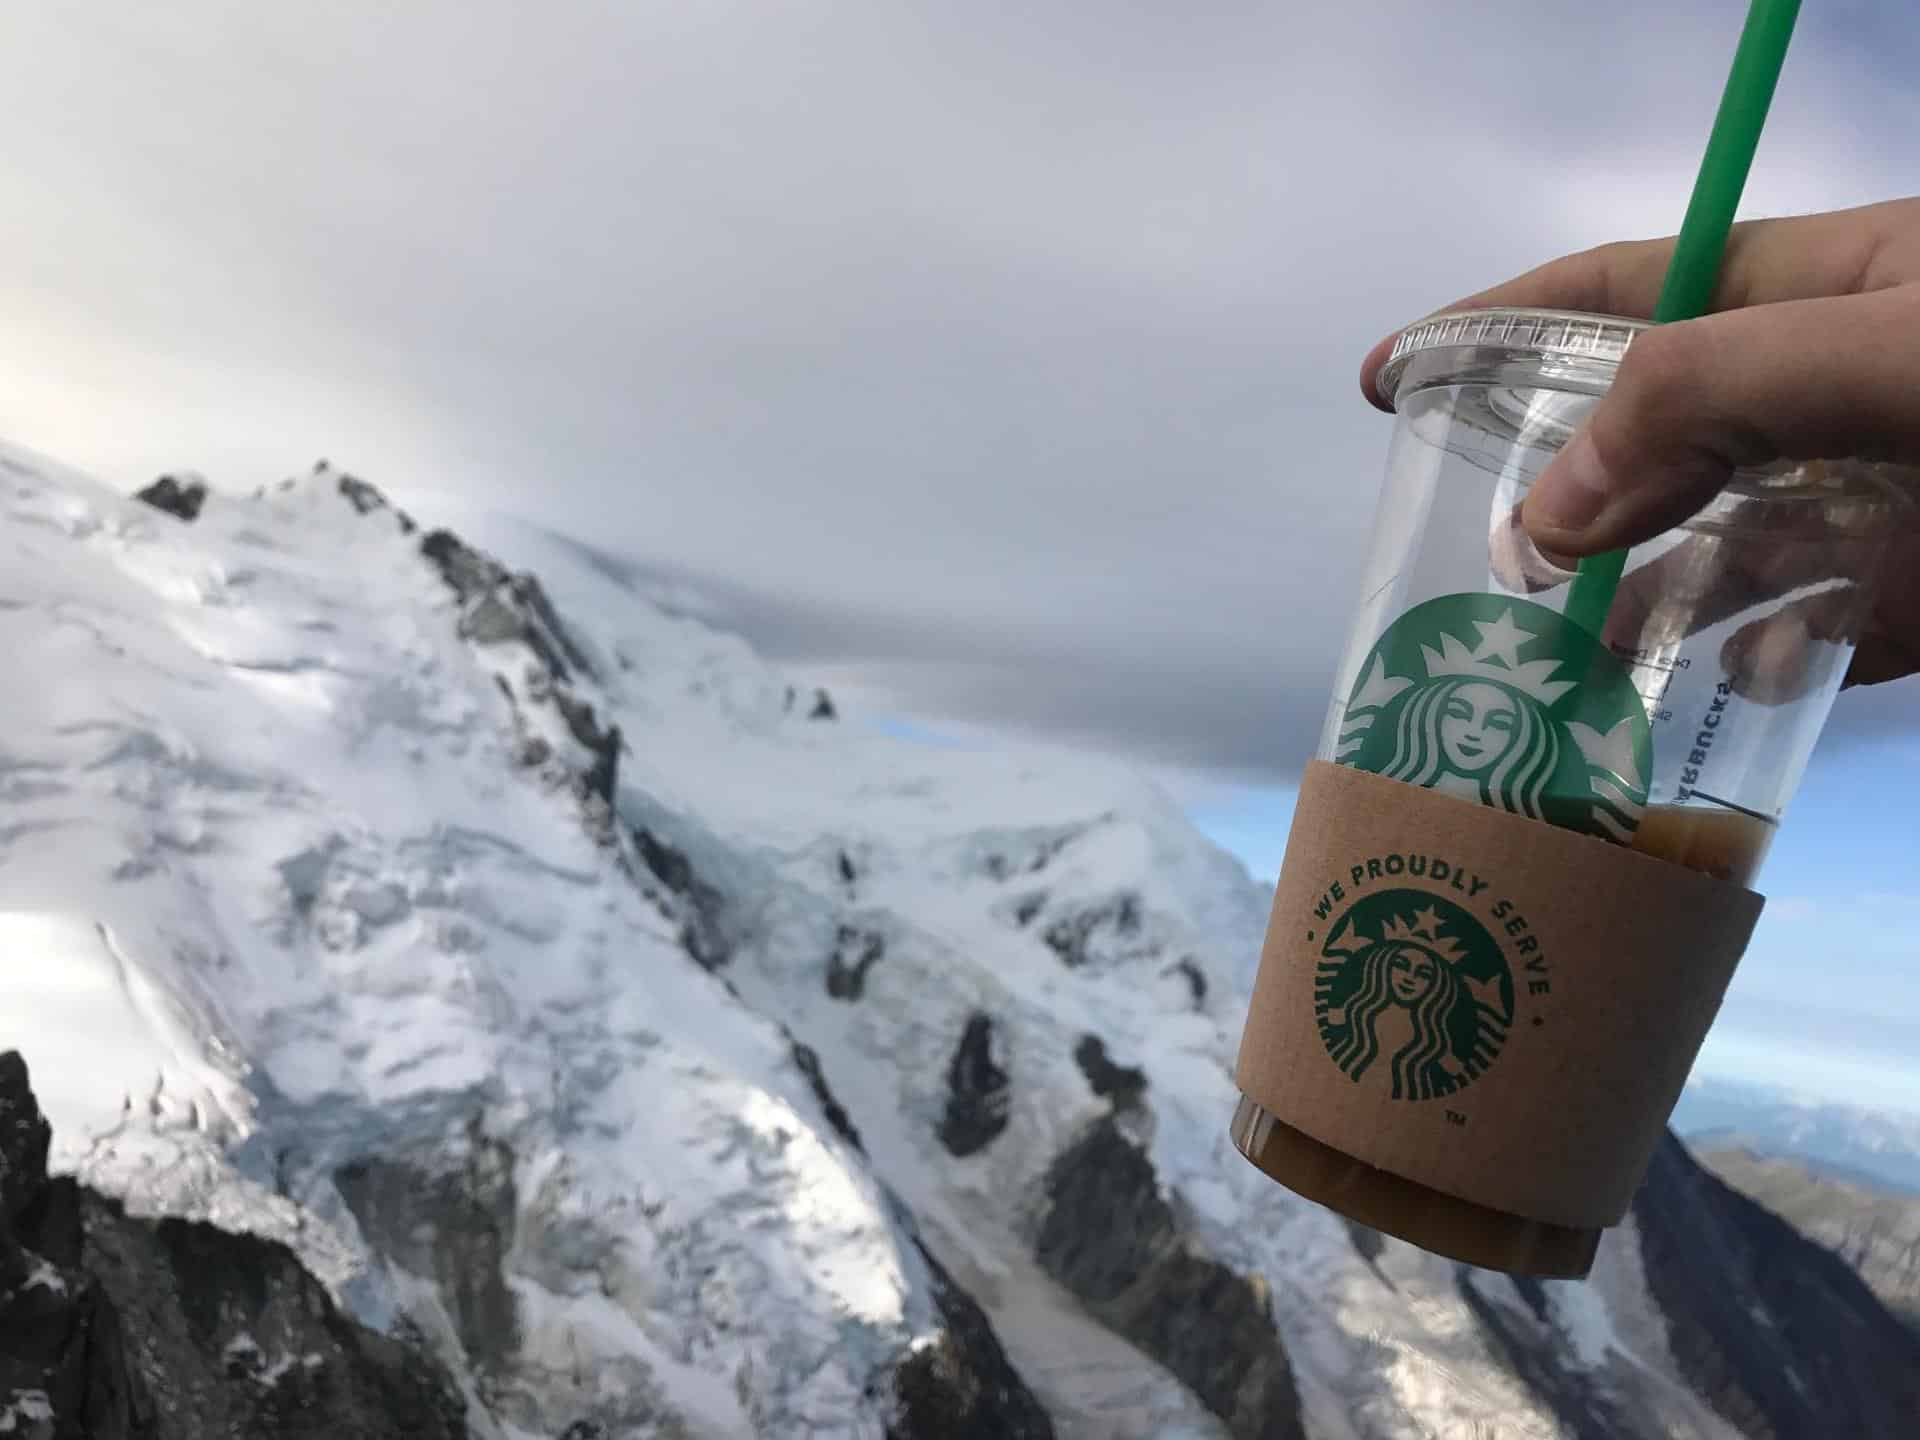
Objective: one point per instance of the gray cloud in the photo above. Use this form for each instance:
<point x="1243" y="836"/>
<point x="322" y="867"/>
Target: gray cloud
<point x="998" y="358"/>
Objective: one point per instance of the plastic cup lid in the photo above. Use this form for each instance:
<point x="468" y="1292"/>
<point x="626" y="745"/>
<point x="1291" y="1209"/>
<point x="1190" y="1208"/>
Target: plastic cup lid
<point x="1537" y="334"/>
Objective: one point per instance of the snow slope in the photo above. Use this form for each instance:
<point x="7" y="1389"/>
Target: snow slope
<point x="275" y="895"/>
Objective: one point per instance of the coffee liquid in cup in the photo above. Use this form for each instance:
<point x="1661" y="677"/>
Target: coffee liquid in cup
<point x="1472" y="1019"/>
<point x="1722" y="843"/>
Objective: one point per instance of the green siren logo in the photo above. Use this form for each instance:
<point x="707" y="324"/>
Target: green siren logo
<point x="1504" y="702"/>
<point x="1415" y="978"/>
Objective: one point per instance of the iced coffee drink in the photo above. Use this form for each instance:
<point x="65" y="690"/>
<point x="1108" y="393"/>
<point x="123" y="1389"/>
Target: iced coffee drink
<point x="1520" y="871"/>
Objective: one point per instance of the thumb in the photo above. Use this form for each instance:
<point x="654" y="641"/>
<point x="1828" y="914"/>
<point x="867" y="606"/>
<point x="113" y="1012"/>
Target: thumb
<point x="1695" y="400"/>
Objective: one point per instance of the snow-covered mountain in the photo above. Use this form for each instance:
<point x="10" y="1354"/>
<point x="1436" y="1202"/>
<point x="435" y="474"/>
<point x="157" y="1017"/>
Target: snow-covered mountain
<point x="568" y="988"/>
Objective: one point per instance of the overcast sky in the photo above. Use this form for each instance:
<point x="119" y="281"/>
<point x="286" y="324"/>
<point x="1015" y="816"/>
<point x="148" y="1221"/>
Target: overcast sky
<point x="996" y="359"/>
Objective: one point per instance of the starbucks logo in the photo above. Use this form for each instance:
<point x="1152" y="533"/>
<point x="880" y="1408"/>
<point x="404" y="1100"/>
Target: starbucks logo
<point x="1412" y="984"/>
<point x="1504" y="702"/>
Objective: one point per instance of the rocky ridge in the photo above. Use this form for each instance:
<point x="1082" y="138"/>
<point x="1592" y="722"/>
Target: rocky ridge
<point x="114" y="1327"/>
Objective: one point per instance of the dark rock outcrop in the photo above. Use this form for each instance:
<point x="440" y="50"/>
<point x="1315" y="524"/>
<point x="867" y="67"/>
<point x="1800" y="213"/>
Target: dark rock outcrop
<point x="701" y="905"/>
<point x="531" y="594"/>
<point x="453" y="1227"/>
<point x="808" y="1061"/>
<point x="962" y="1386"/>
<point x="1776" y="1332"/>
<point x="602" y="777"/>
<point x="1868" y="1223"/>
<point x="978" y="1091"/>
<point x="500" y="607"/>
<point x="1194" y="976"/>
<point x="64" y="1369"/>
<point x="180" y="496"/>
<point x="1368" y="1243"/>
<point x="822" y="707"/>
<point x="1111" y="1238"/>
<point x="1590" y="1404"/>
<point x="366" y="498"/>
<point x="1076" y="938"/>
<point x="232" y="1337"/>
<point x="855" y="952"/>
<point x="1046" y="846"/>
<point x="115" y="1328"/>
<point x="1121" y="1084"/>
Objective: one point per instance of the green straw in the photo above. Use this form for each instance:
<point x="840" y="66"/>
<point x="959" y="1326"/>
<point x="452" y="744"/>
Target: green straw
<point x="1695" y="268"/>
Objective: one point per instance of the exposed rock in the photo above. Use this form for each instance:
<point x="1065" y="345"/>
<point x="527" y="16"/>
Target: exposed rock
<point x="962" y="1386"/>
<point x="467" y="572"/>
<point x="701" y="932"/>
<point x="847" y="873"/>
<point x="604" y="745"/>
<point x="808" y="1060"/>
<point x="63" y="1364"/>
<point x="978" y="1091"/>
<point x="528" y="590"/>
<point x="492" y="621"/>
<point x="231" y="1337"/>
<point x="1873" y="1227"/>
<point x="1074" y="938"/>
<point x="999" y="866"/>
<point x="1588" y="1402"/>
<point x="1195" y="978"/>
<point x="1028" y="906"/>
<point x="1778" y="1333"/>
<point x="669" y="865"/>
<point x="366" y="498"/>
<point x="1122" y="1084"/>
<point x="855" y="952"/>
<point x="501" y="606"/>
<point x="959" y="1386"/>
<point x="1111" y="1239"/>
<point x="114" y="1328"/>
<point x="1368" y="1243"/>
<point x="180" y="496"/>
<point x="25" y="1139"/>
<point x="603" y="775"/>
<point x="822" y="707"/>
<point x="452" y="1227"/>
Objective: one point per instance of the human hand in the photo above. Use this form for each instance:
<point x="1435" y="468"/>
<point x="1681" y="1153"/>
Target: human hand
<point x="1812" y="352"/>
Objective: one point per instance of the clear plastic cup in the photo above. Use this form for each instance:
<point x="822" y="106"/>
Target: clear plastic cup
<point x="1734" y="633"/>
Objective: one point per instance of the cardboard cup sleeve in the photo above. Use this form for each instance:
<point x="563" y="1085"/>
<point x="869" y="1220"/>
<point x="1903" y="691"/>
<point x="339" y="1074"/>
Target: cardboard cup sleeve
<point x="1482" y="1003"/>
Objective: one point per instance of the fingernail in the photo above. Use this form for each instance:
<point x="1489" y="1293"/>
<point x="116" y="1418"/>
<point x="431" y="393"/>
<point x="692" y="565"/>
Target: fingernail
<point x="1575" y="489"/>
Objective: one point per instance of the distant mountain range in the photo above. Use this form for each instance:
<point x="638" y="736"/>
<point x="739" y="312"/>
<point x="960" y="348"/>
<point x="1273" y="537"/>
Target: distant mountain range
<point x="1846" y="1142"/>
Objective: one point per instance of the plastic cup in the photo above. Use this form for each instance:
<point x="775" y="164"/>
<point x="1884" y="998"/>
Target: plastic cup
<point x="1681" y="735"/>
